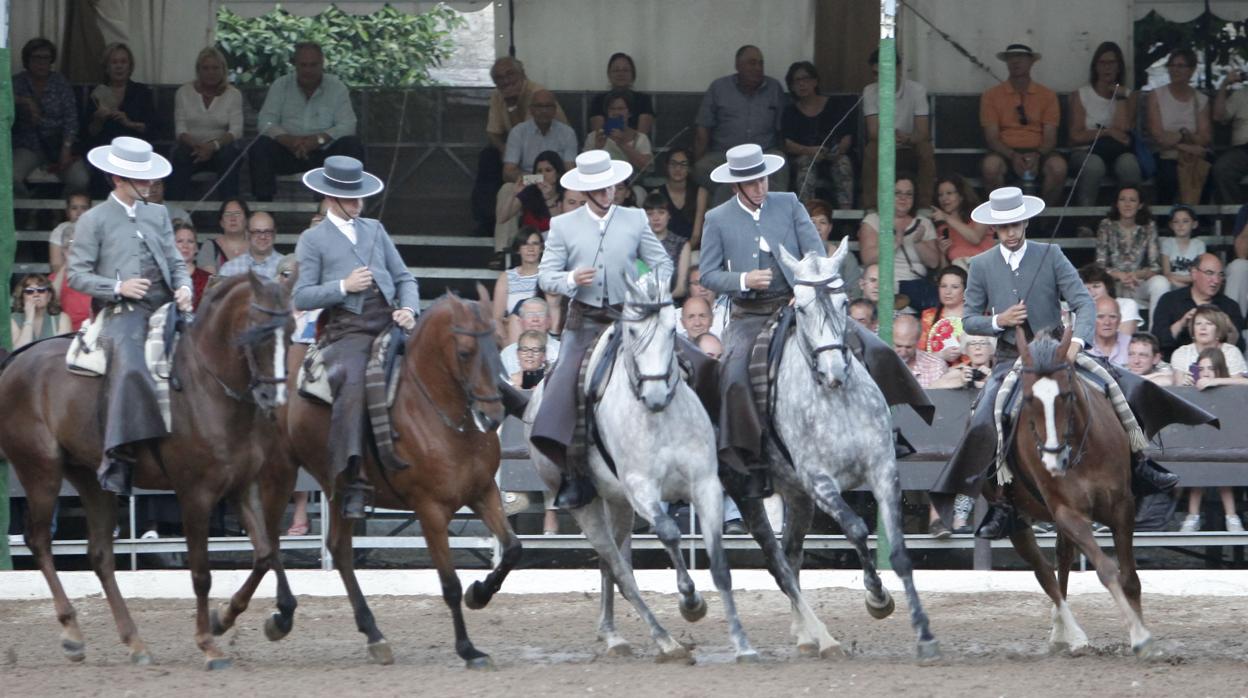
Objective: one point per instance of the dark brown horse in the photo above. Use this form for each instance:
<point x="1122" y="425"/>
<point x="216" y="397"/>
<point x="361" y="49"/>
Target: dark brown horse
<point x="1072" y="465"/>
<point x="228" y="376"/>
<point x="445" y="414"/>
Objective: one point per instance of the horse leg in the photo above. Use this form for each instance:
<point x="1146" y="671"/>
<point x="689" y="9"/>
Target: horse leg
<point x="812" y="635"/>
<point x="195" y="517"/>
<point x="1075" y="525"/>
<point x="40" y="508"/>
<point x="433" y="524"/>
<point x="620" y="518"/>
<point x="1123" y="528"/>
<point x="490" y="511"/>
<point x="879" y="602"/>
<point x="798" y="512"/>
<point x="1065" y="558"/>
<point x="1066" y="635"/>
<point x="344" y="559"/>
<point x="596" y="526"/>
<point x="708" y="496"/>
<point x="887" y="490"/>
<point x="101" y="510"/>
<point x="264" y="558"/>
<point x="692" y="605"/>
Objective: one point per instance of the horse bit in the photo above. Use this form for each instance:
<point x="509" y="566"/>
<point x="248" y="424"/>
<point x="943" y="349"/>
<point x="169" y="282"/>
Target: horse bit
<point x="467" y="418"/>
<point x="1063" y="450"/>
<point x="642" y="311"/>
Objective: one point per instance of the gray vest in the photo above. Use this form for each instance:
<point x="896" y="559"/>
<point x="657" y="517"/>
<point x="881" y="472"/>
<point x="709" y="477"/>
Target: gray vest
<point x="158" y="293"/>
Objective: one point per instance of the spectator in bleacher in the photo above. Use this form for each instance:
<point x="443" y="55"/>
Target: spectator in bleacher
<point x="74" y="303"/>
<point x="1237" y="269"/>
<point x="509" y="105"/>
<point x="1108" y="342"/>
<point x="1208" y="328"/>
<point x="695" y="318"/>
<point x="817" y="170"/>
<point x="745" y="107"/>
<point x="35" y="312"/>
<point x="820" y="213"/>
<point x="710" y="345"/>
<point x="957" y="236"/>
<point x="658" y="212"/>
<point x="686" y="199"/>
<point x="1232" y="164"/>
<point x="571" y="200"/>
<point x="915" y="252"/>
<point x="1097" y="280"/>
<point x="1106" y="105"/>
<point x="232" y="216"/>
<point x="869" y="282"/>
<point x="534" y="316"/>
<point x="517" y="284"/>
<point x="1176" y="309"/>
<point x="157" y="196"/>
<point x="864" y="312"/>
<point x="617" y="136"/>
<point x="1179" y="124"/>
<point x="208" y="125"/>
<point x="627" y="196"/>
<point x="1020" y="119"/>
<point x="1126" y="245"/>
<point x="118" y="106"/>
<point x="721" y="306"/>
<point x="912" y="134"/>
<point x="942" y="332"/>
<point x="307" y="116"/>
<point x="1180" y="253"/>
<point x="45" y="125"/>
<point x="1144" y="359"/>
<point x="531" y="359"/>
<point x="1212" y="368"/>
<point x="535" y="135"/>
<point x="260" y="257"/>
<point x="622" y="73"/>
<point x="76" y="204"/>
<point x="529" y="205"/>
<point x="926" y="366"/>
<point x="187" y="242"/>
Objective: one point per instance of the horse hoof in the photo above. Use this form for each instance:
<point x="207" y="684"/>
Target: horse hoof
<point x="214" y="621"/>
<point x="276" y="627"/>
<point x="74" y="651"/>
<point x="694" y="613"/>
<point x="808" y="649"/>
<point x="140" y="658"/>
<point x="475" y="597"/>
<point x="218" y="664"/>
<point x="620" y="649"/>
<point x="379" y="652"/>
<point x="929" y="651"/>
<point x="1147" y="650"/>
<point x="680" y="655"/>
<point x="881" y="610"/>
<point x="482" y="663"/>
<point x="750" y="657"/>
<point x="833" y="651"/>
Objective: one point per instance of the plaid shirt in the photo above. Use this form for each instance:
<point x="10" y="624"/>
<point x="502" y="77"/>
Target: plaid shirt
<point x="59" y="119"/>
<point x="927" y="368"/>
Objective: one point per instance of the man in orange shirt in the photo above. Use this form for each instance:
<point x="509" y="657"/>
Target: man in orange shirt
<point x="1020" y="119"/>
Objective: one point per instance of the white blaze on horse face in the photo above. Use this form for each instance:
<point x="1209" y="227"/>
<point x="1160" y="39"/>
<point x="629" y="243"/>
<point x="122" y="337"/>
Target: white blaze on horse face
<point x="279" y="363"/>
<point x="1046" y="390"/>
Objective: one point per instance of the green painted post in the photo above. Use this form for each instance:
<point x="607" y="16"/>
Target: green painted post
<point x="8" y="246"/>
<point x="884" y="204"/>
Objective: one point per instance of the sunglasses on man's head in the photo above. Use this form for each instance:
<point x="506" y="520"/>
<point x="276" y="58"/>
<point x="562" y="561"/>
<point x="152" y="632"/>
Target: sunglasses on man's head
<point x="32" y="290"/>
<point x="1022" y="115"/>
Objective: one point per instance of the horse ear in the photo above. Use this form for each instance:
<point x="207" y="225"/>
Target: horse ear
<point x="1064" y="346"/>
<point x="483" y="295"/>
<point x="631" y="289"/>
<point x="789" y="261"/>
<point x="1020" y="341"/>
<point x="838" y="257"/>
<point x="257" y="284"/>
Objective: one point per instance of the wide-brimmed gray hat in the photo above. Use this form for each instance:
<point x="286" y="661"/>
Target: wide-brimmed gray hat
<point x="129" y="157"/>
<point x="342" y="177"/>
<point x="746" y="163"/>
<point x="595" y="170"/>
<point x="1017" y="50"/>
<point x="1007" y="205"/>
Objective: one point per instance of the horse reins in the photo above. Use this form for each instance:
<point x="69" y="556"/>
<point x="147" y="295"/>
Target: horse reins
<point x="637" y="379"/>
<point x="462" y="380"/>
<point x="1075" y="456"/>
<point x="253" y="366"/>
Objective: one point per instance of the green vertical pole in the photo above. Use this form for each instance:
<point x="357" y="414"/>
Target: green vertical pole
<point x="884" y="204"/>
<point x="8" y="246"/>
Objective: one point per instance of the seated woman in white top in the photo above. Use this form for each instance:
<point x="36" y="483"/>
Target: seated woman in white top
<point x="1106" y="105"/>
<point x="622" y="141"/>
<point x="1179" y="123"/>
<point x="208" y="123"/>
<point x="1210" y="328"/>
<point x="916" y="252"/>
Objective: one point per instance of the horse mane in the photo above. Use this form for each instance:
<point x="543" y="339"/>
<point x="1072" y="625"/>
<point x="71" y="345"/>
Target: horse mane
<point x="1045" y="359"/>
<point x="213" y="303"/>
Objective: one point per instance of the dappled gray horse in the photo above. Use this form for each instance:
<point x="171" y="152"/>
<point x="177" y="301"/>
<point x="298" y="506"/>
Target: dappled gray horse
<point x="836" y="426"/>
<point x="663" y="446"/>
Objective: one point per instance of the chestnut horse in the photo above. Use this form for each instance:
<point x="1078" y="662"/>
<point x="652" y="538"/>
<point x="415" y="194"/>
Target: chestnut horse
<point x="445" y="415"/>
<point x="229" y="372"/>
<point x="1072" y="465"/>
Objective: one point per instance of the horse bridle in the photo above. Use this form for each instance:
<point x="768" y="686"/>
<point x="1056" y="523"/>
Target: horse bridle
<point x="466" y="419"/>
<point x="257" y="379"/>
<point x="1063" y="448"/>
<point x="823" y="297"/>
<point x="637" y="312"/>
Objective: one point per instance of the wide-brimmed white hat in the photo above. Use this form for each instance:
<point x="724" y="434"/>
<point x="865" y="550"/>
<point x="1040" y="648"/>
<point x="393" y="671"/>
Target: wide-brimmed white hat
<point x="342" y="177"/>
<point x="1007" y="205"/>
<point x="129" y="157"/>
<point x="1017" y="49"/>
<point x="595" y="170"/>
<point x="746" y="163"/>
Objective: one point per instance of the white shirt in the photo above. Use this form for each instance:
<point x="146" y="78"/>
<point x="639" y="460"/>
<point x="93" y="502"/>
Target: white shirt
<point x="762" y="241"/>
<point x="602" y="228"/>
<point x="130" y="212"/>
<point x="346" y="227"/>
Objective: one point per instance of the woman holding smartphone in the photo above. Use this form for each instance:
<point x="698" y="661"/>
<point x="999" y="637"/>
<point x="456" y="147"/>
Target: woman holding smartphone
<point x="622" y="141"/>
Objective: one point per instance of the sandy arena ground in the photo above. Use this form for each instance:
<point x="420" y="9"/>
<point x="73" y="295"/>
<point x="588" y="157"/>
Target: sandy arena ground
<point x="995" y="644"/>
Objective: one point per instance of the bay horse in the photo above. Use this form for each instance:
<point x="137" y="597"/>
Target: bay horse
<point x="227" y="376"/>
<point x="1071" y="461"/>
<point x="446" y="412"/>
<point x="662" y="446"/>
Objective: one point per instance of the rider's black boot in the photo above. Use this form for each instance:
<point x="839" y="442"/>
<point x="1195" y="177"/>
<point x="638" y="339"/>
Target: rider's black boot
<point x="575" y="492"/>
<point x="758" y="484"/>
<point x="1149" y="472"/>
<point x="998" y="521"/>
<point x="355" y="499"/>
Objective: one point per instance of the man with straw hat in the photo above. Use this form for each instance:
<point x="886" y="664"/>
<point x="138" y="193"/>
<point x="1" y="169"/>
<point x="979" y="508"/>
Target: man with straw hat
<point x="588" y="252"/>
<point x="124" y="258"/>
<point x="350" y="267"/>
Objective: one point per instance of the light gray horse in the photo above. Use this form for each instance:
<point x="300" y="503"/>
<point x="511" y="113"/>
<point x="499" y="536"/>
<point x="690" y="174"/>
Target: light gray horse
<point x="663" y="445"/>
<point x="837" y="427"/>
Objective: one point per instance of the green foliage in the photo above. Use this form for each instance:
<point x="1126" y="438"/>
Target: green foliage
<point x="385" y="49"/>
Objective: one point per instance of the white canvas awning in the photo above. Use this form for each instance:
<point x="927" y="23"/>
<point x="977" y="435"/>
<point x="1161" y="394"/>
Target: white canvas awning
<point x="1187" y="10"/>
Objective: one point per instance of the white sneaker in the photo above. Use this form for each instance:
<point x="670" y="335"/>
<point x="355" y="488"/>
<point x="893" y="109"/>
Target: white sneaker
<point x="1191" y="524"/>
<point x="149" y="534"/>
<point x="1234" y="524"/>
